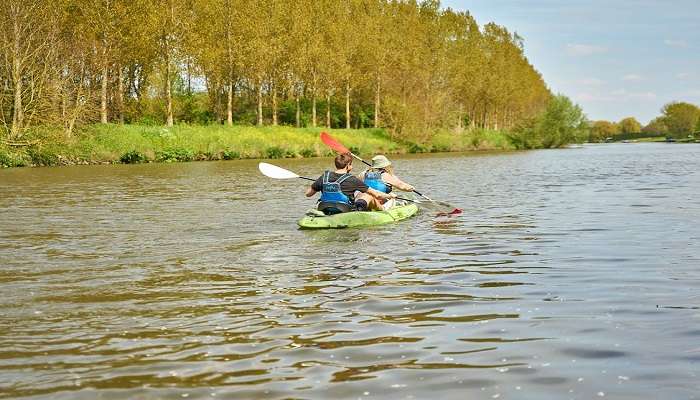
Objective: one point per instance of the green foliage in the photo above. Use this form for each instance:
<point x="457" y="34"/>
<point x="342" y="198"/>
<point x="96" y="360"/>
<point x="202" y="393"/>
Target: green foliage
<point x="600" y="131"/>
<point x="10" y="159"/>
<point x="424" y="67"/>
<point x="133" y="157"/>
<point x="307" y="153"/>
<point x="42" y="157"/>
<point x="657" y="126"/>
<point x="230" y="155"/>
<point x="275" y="152"/>
<point x="630" y="126"/>
<point x="562" y="122"/>
<point x="176" y="154"/>
<point x="681" y="119"/>
<point x="414" y="148"/>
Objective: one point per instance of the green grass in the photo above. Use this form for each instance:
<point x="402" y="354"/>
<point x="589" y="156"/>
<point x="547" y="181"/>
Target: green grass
<point x="110" y="143"/>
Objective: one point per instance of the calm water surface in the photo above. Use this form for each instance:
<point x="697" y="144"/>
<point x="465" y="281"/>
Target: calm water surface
<point x="572" y="274"/>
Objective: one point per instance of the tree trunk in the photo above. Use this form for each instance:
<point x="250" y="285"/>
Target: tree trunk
<point x="313" y="108"/>
<point x="103" y="91"/>
<point x="120" y="93"/>
<point x="189" y="77"/>
<point x="274" y="105"/>
<point x="260" y="116"/>
<point x="313" y="104"/>
<point x="347" y="104"/>
<point x="376" y="104"/>
<point x="229" y="104"/>
<point x="298" y="115"/>
<point x="328" y="110"/>
<point x="17" y="111"/>
<point x="168" y="95"/>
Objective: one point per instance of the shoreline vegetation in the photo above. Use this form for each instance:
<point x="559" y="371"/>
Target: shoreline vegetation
<point x="84" y="81"/>
<point x="156" y="80"/>
<point x="132" y="144"/>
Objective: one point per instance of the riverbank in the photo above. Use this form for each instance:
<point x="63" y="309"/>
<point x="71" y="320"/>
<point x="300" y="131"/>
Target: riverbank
<point x="128" y="144"/>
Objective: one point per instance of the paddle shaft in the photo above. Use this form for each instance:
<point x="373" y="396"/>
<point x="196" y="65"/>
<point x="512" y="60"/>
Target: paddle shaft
<point x="398" y="198"/>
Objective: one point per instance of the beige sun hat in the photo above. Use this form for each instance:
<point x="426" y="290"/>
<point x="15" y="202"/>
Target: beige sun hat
<point x="380" y="161"/>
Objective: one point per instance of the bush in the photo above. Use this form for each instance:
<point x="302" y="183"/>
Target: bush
<point x="561" y="123"/>
<point x="416" y="148"/>
<point x="133" y="157"/>
<point x="275" y="152"/>
<point x="230" y="155"/>
<point x="41" y="157"/>
<point x="307" y="153"/>
<point x="6" y="160"/>
<point x="172" y="155"/>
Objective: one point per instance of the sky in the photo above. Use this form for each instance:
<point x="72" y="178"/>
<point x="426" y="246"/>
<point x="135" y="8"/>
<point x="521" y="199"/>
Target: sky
<point x="615" y="58"/>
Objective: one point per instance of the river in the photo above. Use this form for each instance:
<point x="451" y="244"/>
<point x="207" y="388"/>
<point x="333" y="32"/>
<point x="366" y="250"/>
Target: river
<point x="572" y="273"/>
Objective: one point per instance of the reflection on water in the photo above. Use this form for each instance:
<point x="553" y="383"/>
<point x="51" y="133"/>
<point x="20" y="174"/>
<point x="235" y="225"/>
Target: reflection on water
<point x="571" y="274"/>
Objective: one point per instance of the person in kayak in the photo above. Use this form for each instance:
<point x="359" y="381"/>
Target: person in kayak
<point x="342" y="192"/>
<point x="380" y="177"/>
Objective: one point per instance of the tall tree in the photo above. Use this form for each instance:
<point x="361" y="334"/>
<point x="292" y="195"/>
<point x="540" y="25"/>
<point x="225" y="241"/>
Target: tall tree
<point x="630" y="125"/>
<point x="680" y="118"/>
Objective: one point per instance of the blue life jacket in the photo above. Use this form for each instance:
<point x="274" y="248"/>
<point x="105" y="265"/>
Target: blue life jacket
<point x="373" y="179"/>
<point x="331" y="192"/>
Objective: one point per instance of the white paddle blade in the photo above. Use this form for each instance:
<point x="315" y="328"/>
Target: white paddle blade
<point x="276" y="172"/>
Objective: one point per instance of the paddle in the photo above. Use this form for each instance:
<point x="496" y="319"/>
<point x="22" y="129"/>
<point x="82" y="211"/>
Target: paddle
<point x="275" y="172"/>
<point x="337" y="146"/>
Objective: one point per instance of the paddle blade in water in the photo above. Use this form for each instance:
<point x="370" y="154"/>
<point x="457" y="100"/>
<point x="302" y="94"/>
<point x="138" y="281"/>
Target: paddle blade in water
<point x="456" y="211"/>
<point x="276" y="172"/>
<point x="333" y="144"/>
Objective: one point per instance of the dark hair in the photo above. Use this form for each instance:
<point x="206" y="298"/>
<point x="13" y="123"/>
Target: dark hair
<point x="343" y="160"/>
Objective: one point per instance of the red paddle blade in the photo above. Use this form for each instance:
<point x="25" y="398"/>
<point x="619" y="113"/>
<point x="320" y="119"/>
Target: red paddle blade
<point x="333" y="144"/>
<point x="451" y="213"/>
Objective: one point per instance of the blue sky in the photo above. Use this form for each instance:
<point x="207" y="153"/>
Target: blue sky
<point x="616" y="58"/>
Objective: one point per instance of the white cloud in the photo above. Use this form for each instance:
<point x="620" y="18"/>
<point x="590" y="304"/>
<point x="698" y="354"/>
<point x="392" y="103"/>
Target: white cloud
<point x="632" y="78"/>
<point x="676" y="43"/>
<point x="615" y="96"/>
<point x="574" y="49"/>
<point x="590" y="82"/>
<point x="682" y="75"/>
<point x="642" y="96"/>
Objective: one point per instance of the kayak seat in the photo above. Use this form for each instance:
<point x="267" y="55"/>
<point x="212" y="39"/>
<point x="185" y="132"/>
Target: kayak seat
<point x="332" y="208"/>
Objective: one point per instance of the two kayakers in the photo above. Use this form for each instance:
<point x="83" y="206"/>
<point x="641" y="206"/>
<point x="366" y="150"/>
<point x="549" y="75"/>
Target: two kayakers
<point x="342" y="192"/>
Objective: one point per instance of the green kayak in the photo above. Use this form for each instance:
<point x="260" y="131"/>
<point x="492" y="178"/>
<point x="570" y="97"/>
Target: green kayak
<point x="316" y="220"/>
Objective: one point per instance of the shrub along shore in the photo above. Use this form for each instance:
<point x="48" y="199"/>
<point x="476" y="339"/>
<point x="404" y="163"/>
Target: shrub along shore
<point x="128" y="144"/>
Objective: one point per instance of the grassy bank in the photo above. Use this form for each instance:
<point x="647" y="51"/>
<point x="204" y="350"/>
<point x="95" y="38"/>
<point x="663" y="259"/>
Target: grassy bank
<point x="108" y="143"/>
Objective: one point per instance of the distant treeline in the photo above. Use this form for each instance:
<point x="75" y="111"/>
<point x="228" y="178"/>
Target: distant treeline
<point x="677" y="120"/>
<point x="410" y="66"/>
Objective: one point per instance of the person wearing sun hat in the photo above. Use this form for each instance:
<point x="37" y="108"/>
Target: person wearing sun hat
<point x="380" y="177"/>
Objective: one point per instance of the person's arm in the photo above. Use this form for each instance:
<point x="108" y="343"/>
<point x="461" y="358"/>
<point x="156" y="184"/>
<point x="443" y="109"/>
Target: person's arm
<point x="396" y="183"/>
<point x="362" y="187"/>
<point x="381" y="195"/>
<point x="315" y="187"/>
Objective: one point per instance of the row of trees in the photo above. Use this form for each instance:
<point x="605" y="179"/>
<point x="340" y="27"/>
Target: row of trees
<point x="407" y="65"/>
<point x="677" y="120"/>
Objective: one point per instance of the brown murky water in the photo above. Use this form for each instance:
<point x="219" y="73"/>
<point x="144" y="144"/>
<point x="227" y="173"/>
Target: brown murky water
<point x="572" y="274"/>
